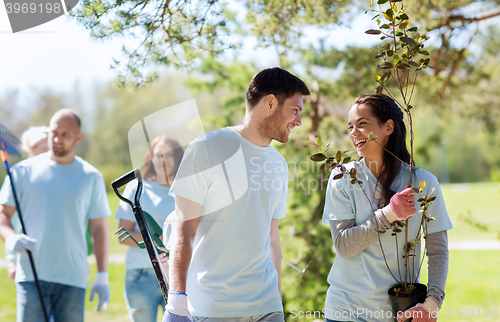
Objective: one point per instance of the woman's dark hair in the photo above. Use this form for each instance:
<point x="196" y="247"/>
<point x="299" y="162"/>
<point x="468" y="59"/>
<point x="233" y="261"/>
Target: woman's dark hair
<point x="175" y="148"/>
<point x="275" y="81"/>
<point x="384" y="108"/>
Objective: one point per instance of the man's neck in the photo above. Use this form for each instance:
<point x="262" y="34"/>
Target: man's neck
<point x="70" y="157"/>
<point x="249" y="130"/>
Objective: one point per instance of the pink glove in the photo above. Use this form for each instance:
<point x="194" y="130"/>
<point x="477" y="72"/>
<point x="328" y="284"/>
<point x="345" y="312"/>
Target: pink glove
<point x="422" y="312"/>
<point x="401" y="206"/>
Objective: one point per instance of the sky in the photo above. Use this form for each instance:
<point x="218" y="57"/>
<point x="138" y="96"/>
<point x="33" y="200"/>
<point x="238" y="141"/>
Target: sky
<point x="53" y="55"/>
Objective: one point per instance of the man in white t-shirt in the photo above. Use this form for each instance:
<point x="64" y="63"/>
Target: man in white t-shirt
<point x="59" y="195"/>
<point x="230" y="191"/>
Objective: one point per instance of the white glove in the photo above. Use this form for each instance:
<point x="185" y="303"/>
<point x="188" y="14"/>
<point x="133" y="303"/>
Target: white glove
<point x="176" y="309"/>
<point x="100" y="285"/>
<point x="19" y="243"/>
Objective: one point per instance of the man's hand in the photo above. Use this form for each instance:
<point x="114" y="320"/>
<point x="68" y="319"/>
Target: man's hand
<point x="19" y="243"/>
<point x="176" y="309"/>
<point x="100" y="285"/>
<point x="422" y="312"/>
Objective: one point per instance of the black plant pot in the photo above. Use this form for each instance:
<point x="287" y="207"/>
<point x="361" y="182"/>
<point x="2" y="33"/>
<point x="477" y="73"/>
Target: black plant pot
<point x="401" y="302"/>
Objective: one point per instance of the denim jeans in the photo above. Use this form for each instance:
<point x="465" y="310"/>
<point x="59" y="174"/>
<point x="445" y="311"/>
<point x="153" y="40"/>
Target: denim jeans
<point x="62" y="302"/>
<point x="142" y="295"/>
<point x="268" y="317"/>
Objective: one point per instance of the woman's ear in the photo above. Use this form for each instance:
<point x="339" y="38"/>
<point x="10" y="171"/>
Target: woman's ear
<point x="389" y="127"/>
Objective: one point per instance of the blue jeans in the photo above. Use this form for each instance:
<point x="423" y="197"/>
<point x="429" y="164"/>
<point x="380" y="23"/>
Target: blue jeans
<point x="268" y="317"/>
<point x="142" y="295"/>
<point x="62" y="302"/>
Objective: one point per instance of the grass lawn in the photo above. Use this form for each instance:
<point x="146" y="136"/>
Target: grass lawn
<point x="481" y="201"/>
<point x="473" y="287"/>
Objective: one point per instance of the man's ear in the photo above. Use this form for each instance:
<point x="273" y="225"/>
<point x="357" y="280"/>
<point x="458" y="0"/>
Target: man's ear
<point x="389" y="127"/>
<point x="79" y="137"/>
<point x="270" y="103"/>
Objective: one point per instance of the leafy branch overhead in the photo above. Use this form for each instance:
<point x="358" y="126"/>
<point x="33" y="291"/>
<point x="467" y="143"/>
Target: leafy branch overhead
<point x="178" y="33"/>
<point x="161" y="32"/>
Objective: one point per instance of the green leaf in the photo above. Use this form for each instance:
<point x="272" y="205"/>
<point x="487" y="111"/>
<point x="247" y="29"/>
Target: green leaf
<point x="318" y="140"/>
<point x="396" y="59"/>
<point x="370" y="136"/>
<point x="402" y="65"/>
<point x="318" y="157"/>
<point x="390" y="53"/>
<point x="353" y="181"/>
<point x="385" y="76"/>
<point x="370" y="4"/>
<point x="378" y="78"/>
<point x="404" y="16"/>
<point x="323" y="166"/>
<point x="346" y="160"/>
<point x="373" y="32"/>
<point x="338" y="156"/>
<point x="338" y="176"/>
<point x="413" y="29"/>
<point x="382" y="1"/>
<point x="328" y="146"/>
<point x="389" y="14"/>
<point x="385" y="26"/>
<point x="408" y="41"/>
<point x="414" y="64"/>
<point x="423" y="52"/>
<point x="385" y="65"/>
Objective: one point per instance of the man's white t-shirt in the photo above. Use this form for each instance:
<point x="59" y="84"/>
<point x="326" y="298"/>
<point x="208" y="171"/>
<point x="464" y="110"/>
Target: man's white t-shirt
<point x="56" y="201"/>
<point x="241" y="187"/>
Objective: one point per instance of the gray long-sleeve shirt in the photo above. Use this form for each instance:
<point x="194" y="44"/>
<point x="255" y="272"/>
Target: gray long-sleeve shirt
<point x="349" y="239"/>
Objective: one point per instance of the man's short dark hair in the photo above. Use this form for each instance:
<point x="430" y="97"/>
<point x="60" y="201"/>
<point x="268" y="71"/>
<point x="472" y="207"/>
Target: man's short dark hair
<point x="275" y="81"/>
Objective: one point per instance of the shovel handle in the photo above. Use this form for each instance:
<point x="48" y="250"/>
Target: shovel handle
<point x="126" y="178"/>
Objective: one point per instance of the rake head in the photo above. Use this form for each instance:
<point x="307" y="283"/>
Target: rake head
<point x="10" y="141"/>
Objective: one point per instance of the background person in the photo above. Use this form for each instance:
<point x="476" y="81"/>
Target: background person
<point x="227" y="255"/>
<point x="359" y="278"/>
<point x="142" y="292"/>
<point x="60" y="194"/>
<point x="33" y="141"/>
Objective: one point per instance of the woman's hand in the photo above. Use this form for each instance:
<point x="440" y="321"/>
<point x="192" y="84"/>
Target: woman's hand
<point x="422" y="312"/>
<point x="401" y="207"/>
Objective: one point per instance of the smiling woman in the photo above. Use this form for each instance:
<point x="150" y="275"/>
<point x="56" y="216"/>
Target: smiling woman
<point x="361" y="218"/>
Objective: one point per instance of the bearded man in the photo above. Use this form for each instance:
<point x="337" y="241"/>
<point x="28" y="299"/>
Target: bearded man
<point x="59" y="194"/>
<point x="230" y="192"/>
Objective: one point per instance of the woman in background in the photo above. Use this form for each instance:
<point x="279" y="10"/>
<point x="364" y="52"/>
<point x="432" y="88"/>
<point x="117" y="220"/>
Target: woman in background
<point x="142" y="293"/>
